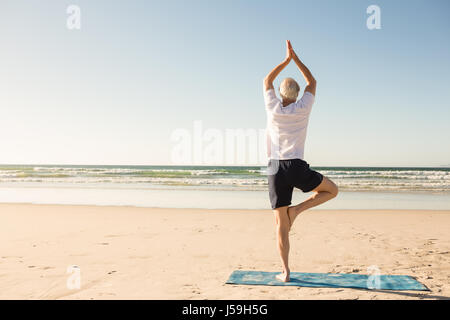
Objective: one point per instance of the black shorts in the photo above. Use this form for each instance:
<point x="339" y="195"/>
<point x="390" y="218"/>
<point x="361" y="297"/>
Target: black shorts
<point x="284" y="175"/>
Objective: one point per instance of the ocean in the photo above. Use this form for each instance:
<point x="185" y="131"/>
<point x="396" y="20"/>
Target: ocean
<point x="211" y="186"/>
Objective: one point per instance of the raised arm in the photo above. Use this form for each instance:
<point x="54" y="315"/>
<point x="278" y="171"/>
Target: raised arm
<point x="268" y="80"/>
<point x="310" y="81"/>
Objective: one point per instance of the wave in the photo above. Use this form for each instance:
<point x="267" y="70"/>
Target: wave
<point x="240" y="178"/>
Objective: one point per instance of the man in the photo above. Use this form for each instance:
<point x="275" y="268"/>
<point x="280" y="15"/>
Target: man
<point x="286" y="127"/>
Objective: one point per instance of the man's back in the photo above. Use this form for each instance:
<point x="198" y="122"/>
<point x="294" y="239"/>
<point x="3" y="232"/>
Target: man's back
<point x="287" y="126"/>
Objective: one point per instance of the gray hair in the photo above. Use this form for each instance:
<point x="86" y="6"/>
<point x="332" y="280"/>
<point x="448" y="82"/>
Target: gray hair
<point x="289" y="89"/>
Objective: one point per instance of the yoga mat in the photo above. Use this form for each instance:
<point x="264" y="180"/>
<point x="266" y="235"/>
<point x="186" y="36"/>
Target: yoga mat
<point x="328" y="280"/>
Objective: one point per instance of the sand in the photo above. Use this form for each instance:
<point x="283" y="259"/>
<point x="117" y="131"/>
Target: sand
<point x="151" y="253"/>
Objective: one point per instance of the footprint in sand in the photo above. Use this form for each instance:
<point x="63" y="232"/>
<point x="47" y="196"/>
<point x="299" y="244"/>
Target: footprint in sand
<point x="139" y="257"/>
<point x="78" y="255"/>
<point x="106" y="294"/>
<point x="193" y="289"/>
<point x="47" y="268"/>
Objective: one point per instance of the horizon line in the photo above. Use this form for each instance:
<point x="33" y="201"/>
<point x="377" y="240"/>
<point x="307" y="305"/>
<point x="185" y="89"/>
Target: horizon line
<point x="216" y="165"/>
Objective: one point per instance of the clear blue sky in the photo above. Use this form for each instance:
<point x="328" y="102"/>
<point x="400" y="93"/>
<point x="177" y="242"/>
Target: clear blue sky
<point x="114" y="91"/>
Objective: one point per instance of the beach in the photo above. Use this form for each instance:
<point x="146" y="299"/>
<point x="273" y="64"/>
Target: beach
<point x="126" y="252"/>
<point x="143" y="151"/>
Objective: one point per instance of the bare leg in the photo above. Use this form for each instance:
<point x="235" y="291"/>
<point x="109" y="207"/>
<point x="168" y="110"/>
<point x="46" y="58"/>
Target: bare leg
<point x="282" y="230"/>
<point x="325" y="191"/>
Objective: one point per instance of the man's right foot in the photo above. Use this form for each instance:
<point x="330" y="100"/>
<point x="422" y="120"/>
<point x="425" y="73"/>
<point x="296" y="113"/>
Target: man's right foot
<point x="284" y="277"/>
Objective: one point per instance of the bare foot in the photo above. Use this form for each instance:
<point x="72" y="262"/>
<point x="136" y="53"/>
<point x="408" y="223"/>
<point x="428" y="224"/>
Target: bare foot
<point x="284" y="277"/>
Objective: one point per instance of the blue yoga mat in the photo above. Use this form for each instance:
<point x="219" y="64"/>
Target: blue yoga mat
<point x="328" y="280"/>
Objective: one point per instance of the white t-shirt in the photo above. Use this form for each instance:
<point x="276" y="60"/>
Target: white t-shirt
<point x="286" y="126"/>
